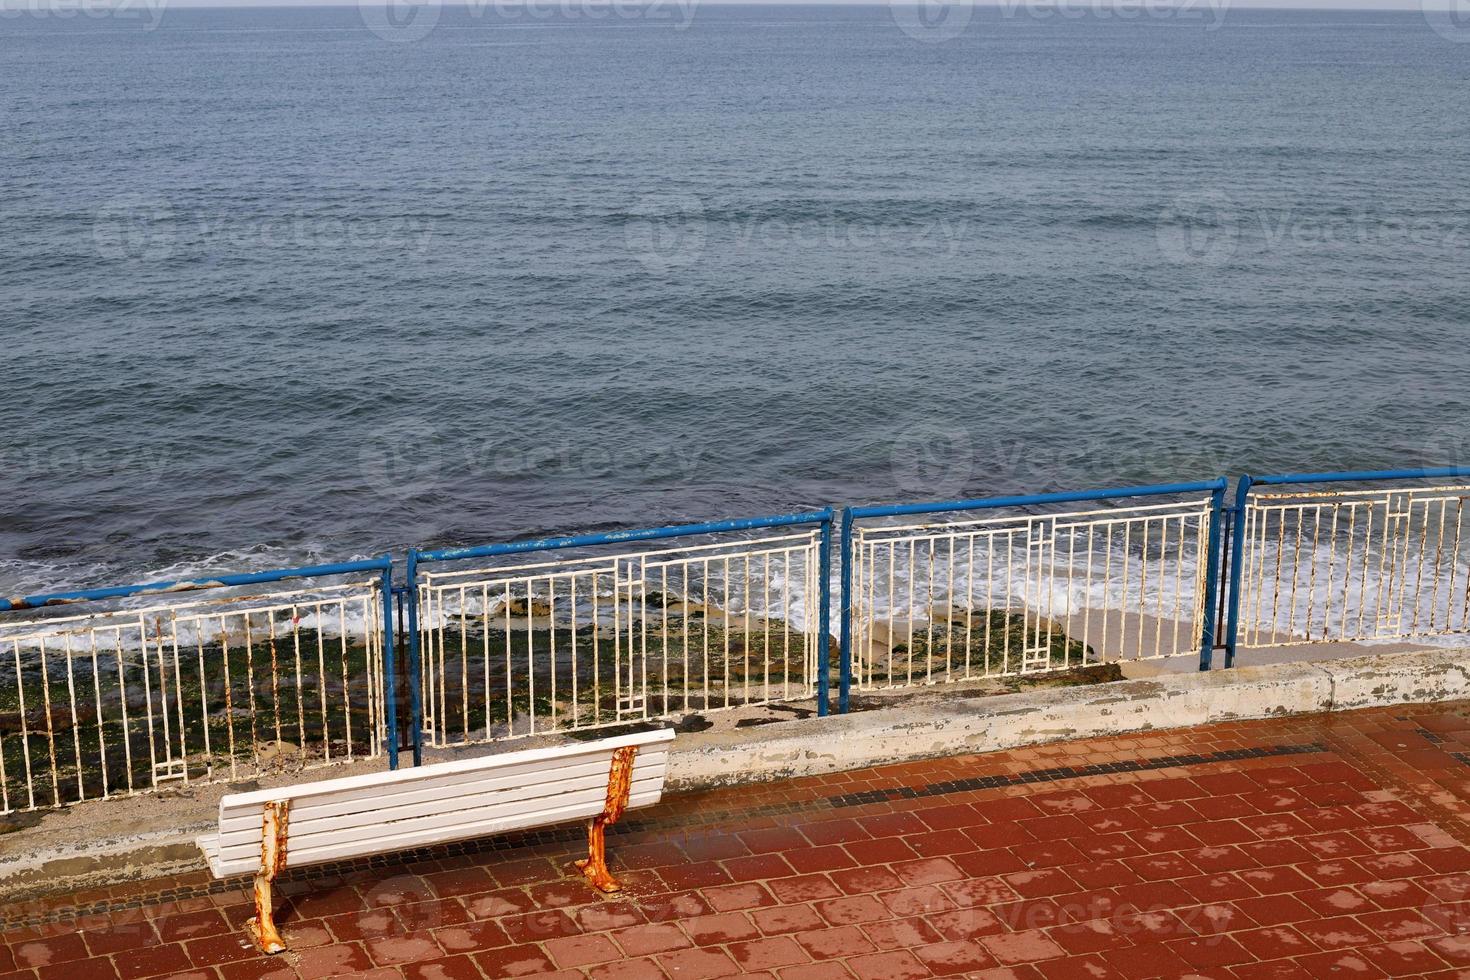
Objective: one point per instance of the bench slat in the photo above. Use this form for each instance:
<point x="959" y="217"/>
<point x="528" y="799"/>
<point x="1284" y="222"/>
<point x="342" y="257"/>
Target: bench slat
<point x="379" y="813"/>
<point x="379" y="780"/>
<point x="446" y="829"/>
<point x="522" y="799"/>
<point x="432" y="774"/>
<point x="306" y="812"/>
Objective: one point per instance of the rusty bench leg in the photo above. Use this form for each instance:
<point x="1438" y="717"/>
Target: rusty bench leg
<point x="262" y="928"/>
<point x="619" y="783"/>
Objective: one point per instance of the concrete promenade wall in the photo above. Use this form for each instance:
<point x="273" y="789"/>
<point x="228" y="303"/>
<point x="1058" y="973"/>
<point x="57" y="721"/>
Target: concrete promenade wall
<point x="987" y="724"/>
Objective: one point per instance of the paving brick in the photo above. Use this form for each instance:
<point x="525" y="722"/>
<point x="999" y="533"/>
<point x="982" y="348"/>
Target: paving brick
<point x="757" y="867"/>
<point x="732" y="898"/>
<point x="97" y="968"/>
<point x="570" y="951"/>
<point x="803" y="888"/>
<point x="984" y="891"/>
<point x="657" y="937"/>
<point x="816" y="971"/>
<point x="775" y="840"/>
<point x="271" y="968"/>
<point x="1454" y="949"/>
<point x="471" y="936"/>
<point x="851" y="910"/>
<point x="825" y="858"/>
<point x="882" y="850"/>
<point x="674" y="906"/>
<point x="966" y="923"/>
<point x="608" y="915"/>
<point x="50" y="951"/>
<point x="514" y="961"/>
<point x="1402" y="959"/>
<point x="337" y="960"/>
<point x="927" y="871"/>
<point x="508" y="901"/>
<point x="720" y="928"/>
<point x="1274" y="942"/>
<point x="1039" y="884"/>
<point x="768" y="953"/>
<point x="949" y="959"/>
<point x="698" y="964"/>
<point x="893" y="965"/>
<point x="394" y="950"/>
<point x="835" y="944"/>
<point x="636" y="969"/>
<point x="1274" y="970"/>
<point x="1021" y="947"/>
<point x="786" y="919"/>
<point x="1210" y="952"/>
<point x="1092" y="936"/>
<point x="152" y="961"/>
<point x="1339" y="964"/>
<point x="219" y="949"/>
<point x="1395" y="894"/>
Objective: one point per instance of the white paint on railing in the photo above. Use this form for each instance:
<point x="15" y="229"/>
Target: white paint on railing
<point x="1000" y="596"/>
<point x="1355" y="565"/>
<point x="584" y="643"/>
<point x="221" y="689"/>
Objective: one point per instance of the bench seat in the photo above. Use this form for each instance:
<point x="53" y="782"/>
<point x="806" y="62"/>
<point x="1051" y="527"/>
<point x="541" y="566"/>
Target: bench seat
<point x="266" y="831"/>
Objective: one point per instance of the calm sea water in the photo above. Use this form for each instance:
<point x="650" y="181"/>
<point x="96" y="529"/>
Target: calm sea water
<point x="278" y="289"/>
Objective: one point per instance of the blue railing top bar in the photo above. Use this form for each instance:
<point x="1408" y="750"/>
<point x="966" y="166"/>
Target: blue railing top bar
<point x="623" y="537"/>
<point x="385" y="563"/>
<point x="382" y="564"/>
<point x="1436" y="473"/>
<point x="1027" y="500"/>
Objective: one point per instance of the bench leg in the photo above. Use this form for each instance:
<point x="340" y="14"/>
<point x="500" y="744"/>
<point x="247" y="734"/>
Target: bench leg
<point x="619" y="783"/>
<point x="262" y="928"/>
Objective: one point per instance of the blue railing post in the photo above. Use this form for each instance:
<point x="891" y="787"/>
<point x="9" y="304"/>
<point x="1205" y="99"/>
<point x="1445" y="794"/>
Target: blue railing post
<point x="415" y="676"/>
<point x="1212" y="576"/>
<point x="390" y="672"/>
<point x="844" y="682"/>
<point x="1237" y="557"/>
<point x="824" y="619"/>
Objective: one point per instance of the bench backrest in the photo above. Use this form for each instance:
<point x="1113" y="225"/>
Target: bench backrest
<point x="384" y="812"/>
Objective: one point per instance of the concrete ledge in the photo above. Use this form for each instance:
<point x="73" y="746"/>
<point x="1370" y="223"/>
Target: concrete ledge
<point x="1366" y="682"/>
<point x="95" y="864"/>
<point x="941" y="725"/>
<point x="107" y="842"/>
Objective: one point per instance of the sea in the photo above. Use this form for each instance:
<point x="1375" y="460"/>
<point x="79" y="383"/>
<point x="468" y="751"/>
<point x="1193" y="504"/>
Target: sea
<point x="305" y="284"/>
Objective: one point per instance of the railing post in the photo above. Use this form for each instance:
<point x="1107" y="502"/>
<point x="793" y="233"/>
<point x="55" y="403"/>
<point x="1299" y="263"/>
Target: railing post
<point x="844" y="683"/>
<point x="390" y="671"/>
<point x="1237" y="556"/>
<point x="1212" y="576"/>
<point x="824" y="618"/>
<point x="415" y="675"/>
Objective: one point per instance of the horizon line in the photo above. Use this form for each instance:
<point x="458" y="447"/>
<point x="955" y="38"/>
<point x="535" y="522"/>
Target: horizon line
<point x="1328" y="6"/>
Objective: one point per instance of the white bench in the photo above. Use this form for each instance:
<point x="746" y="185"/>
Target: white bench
<point x="267" y="831"/>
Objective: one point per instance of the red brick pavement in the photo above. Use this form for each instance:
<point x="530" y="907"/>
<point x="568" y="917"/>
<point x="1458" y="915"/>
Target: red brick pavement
<point x="1327" y="846"/>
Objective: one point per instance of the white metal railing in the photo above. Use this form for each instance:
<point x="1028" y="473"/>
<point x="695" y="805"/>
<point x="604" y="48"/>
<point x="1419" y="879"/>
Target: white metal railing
<point x="1354" y="565"/>
<point x="131" y="700"/>
<point x="960" y="600"/>
<point x="524" y="649"/>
